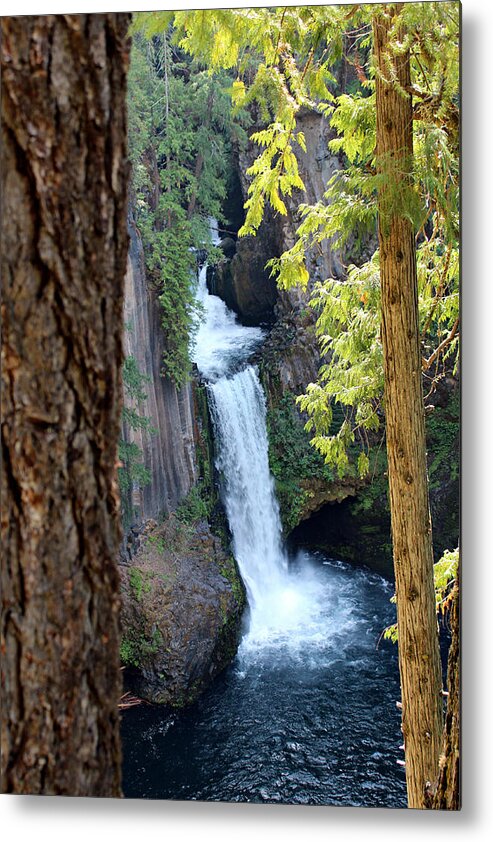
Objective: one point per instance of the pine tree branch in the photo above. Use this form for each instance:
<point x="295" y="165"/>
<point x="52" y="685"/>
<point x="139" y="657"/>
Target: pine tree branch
<point x="426" y="364"/>
<point x="438" y="294"/>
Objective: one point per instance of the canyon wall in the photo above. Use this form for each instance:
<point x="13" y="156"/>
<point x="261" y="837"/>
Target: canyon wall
<point x="182" y="596"/>
<point x="169" y="450"/>
<point x="290" y="357"/>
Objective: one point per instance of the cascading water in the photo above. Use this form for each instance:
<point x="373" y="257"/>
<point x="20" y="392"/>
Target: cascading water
<point x="306" y="713"/>
<point x="251" y="506"/>
<point x="238" y="407"/>
<point x="239" y="413"/>
<point x="221" y="343"/>
<point x="283" y="602"/>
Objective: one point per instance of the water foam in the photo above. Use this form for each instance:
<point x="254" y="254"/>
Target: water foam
<point x="287" y="605"/>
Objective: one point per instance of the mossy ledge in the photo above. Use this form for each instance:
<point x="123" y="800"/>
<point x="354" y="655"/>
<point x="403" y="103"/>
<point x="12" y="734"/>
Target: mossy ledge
<point x="348" y="518"/>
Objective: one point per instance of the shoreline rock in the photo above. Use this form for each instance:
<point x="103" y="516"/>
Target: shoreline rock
<point x="182" y="606"/>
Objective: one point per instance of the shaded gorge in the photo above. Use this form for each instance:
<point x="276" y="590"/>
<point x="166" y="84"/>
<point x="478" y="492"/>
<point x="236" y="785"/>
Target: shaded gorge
<point x="306" y="716"/>
<point x="306" y="712"/>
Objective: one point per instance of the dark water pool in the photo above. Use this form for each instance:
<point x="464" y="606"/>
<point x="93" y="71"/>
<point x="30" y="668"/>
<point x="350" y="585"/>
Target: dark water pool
<point x="306" y="714"/>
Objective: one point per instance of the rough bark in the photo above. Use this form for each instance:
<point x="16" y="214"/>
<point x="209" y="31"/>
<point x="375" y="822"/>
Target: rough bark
<point x="447" y="795"/>
<point x="64" y="245"/>
<point x="419" y="658"/>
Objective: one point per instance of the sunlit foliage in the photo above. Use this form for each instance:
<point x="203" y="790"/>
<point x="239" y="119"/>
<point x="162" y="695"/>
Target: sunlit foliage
<point x="285" y="59"/>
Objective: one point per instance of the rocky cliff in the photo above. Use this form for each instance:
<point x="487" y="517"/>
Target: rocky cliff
<point x="181" y="612"/>
<point x="182" y="596"/>
<point x="347" y="518"/>
<point x="290" y="357"/>
<point x="241" y="279"/>
<point x="169" y="451"/>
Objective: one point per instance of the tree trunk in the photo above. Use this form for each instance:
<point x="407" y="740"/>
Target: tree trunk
<point x="199" y="162"/>
<point x="447" y="791"/>
<point x="419" y="657"/>
<point x="64" y="245"/>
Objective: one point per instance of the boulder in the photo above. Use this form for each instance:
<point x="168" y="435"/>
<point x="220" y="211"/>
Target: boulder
<point x="228" y="247"/>
<point x="182" y="604"/>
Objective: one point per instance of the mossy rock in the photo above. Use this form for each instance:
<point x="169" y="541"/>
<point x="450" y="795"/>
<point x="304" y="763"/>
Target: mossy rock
<point x="182" y="605"/>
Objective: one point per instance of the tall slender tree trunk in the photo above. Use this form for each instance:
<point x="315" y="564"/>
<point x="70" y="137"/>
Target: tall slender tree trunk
<point x="446" y="793"/>
<point x="419" y="657"/>
<point x="199" y="162"/>
<point x="64" y="246"/>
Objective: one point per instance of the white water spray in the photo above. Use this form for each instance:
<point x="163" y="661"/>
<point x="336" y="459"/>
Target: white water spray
<point x="285" y="608"/>
<point x="309" y="696"/>
<point x="221" y="342"/>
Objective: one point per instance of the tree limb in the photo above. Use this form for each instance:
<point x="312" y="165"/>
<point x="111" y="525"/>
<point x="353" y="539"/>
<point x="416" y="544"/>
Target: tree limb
<point x="426" y="364"/>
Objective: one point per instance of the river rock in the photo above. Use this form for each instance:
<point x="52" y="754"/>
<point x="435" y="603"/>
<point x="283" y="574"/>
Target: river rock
<point x="182" y="603"/>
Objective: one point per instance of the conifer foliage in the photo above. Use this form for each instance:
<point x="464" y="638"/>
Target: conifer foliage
<point x="180" y="129"/>
<point x="285" y="59"/>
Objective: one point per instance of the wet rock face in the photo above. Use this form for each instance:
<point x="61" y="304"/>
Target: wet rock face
<point x="242" y="281"/>
<point x="345" y="530"/>
<point x="169" y="453"/>
<point x="316" y="166"/>
<point x="277" y="233"/>
<point x="182" y="603"/>
<point x="290" y="355"/>
<point x="228" y="247"/>
<point x="358" y="530"/>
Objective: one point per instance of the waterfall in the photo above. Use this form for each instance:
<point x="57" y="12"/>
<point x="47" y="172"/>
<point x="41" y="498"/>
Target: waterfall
<point x="310" y="695"/>
<point x="221" y="343"/>
<point x="238" y="407"/>
<point x="282" y="606"/>
<point x="279" y="602"/>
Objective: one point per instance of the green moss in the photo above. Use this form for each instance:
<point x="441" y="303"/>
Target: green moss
<point x="204" y="437"/>
<point x="157" y="541"/>
<point x="136" y="647"/>
<point x="140" y="581"/>
<point x="195" y="506"/>
<point x="127" y="652"/>
<point x="136" y="580"/>
<point x="442" y="430"/>
<point x="292" y="499"/>
<point x="293" y="461"/>
<point x="372" y="498"/>
<point x="202" y="497"/>
<point x="229" y="570"/>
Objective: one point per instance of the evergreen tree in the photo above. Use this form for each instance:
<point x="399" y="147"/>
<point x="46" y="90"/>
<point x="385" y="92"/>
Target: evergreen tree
<point x="180" y="129"/>
<point x="419" y="656"/>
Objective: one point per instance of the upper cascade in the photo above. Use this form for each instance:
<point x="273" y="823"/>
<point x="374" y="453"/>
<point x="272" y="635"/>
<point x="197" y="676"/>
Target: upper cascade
<point x="221" y="342"/>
